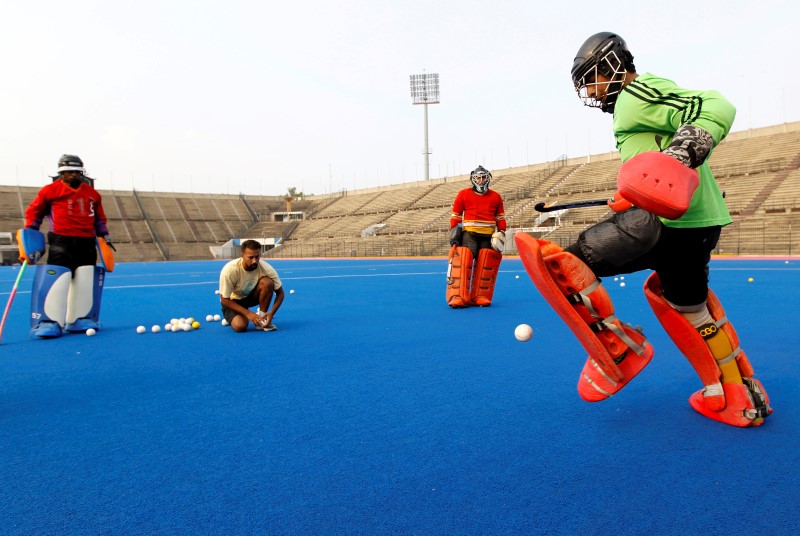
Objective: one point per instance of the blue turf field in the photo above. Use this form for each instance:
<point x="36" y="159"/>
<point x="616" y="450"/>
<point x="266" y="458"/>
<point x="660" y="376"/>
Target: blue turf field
<point x="376" y="409"/>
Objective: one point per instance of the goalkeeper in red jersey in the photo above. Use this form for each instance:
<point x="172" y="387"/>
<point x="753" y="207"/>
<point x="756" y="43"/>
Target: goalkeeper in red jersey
<point x="668" y="219"/>
<point x="477" y="237"/>
<point x="67" y="289"/>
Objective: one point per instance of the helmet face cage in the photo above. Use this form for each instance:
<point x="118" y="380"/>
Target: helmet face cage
<point x="612" y="67"/>
<point x="480" y="179"/>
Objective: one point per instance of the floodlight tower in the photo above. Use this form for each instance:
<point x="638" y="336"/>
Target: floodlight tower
<point x="425" y="91"/>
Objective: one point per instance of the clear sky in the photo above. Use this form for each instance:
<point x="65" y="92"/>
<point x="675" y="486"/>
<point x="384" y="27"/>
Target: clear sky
<point x="257" y="96"/>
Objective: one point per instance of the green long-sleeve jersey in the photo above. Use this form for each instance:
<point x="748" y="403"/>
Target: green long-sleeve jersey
<point x="649" y="107"/>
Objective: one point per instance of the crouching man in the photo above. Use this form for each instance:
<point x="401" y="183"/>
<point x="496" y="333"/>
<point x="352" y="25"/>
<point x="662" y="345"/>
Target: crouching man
<point x="248" y="282"/>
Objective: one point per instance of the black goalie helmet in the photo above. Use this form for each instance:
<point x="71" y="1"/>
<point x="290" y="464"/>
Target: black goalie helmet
<point x="605" y="53"/>
<point x="480" y="179"/>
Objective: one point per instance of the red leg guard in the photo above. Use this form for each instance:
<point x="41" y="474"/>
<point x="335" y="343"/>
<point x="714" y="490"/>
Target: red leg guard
<point x="459" y="273"/>
<point x="484" y="276"/>
<point x="738" y="404"/>
<point x="617" y="351"/>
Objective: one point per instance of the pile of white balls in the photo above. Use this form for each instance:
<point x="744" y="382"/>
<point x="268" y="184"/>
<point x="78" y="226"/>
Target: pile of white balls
<point x="183" y="324"/>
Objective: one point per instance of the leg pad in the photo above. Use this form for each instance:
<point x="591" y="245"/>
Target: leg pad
<point x="617" y="351"/>
<point x="459" y="274"/>
<point x="484" y="276"/>
<point x="744" y="403"/>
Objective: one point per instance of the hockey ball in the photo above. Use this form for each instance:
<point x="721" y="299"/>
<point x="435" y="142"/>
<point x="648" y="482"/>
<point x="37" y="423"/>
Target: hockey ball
<point x="141" y="329"/>
<point x="90" y="332"/>
<point x="523" y="332"/>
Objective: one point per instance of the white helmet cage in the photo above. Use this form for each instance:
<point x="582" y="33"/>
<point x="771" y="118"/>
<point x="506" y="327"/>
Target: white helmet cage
<point x="480" y="179"/>
<point x="604" y="53"/>
<point x="610" y="63"/>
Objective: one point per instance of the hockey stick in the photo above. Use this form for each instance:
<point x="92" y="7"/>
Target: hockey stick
<point x="540" y="207"/>
<point x="450" y="263"/>
<point x="11" y="297"/>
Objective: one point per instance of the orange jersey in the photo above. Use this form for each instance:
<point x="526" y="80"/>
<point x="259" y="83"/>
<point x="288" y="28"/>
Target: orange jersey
<point x="478" y="213"/>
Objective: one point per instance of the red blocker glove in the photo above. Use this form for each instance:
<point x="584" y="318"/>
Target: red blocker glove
<point x="658" y="183"/>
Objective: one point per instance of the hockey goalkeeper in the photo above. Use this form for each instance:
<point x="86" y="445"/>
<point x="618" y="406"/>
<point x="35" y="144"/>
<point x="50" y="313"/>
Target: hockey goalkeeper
<point x="668" y="219"/>
<point x="477" y="238"/>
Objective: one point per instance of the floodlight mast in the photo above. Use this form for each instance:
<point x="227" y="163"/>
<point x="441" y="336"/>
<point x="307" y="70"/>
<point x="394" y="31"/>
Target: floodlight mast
<point x="425" y="91"/>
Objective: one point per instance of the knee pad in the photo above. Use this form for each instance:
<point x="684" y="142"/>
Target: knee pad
<point x="49" y="296"/>
<point x="484" y="277"/>
<point x="459" y="274"/>
<point x="617" y="351"/>
<point x="743" y="401"/>
<point x="85" y="293"/>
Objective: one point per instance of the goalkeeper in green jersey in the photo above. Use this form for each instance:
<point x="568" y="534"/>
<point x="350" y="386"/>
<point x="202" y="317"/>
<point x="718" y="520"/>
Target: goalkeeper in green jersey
<point x="664" y="134"/>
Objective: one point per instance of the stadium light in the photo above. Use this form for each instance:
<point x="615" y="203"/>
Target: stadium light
<point x="425" y="91"/>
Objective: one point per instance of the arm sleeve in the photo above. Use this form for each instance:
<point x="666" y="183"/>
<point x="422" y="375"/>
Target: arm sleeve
<point x="225" y="283"/>
<point x="500" y="219"/>
<point x="715" y="116"/>
<point x="456" y="215"/>
<point x="100" y="221"/>
<point x="36" y="211"/>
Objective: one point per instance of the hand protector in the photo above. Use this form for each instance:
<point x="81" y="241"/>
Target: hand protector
<point x="31" y="244"/>
<point x="690" y="146"/>
<point x="499" y="241"/>
<point x="657" y="183"/>
<point x="455" y="235"/>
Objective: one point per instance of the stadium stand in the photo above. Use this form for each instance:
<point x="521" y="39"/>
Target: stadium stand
<point x="759" y="171"/>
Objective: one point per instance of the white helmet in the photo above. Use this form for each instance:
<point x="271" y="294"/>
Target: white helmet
<point x="480" y="179"/>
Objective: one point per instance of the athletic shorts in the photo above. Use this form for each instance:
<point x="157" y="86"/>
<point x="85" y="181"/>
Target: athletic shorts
<point x="71" y="251"/>
<point x="251" y="300"/>
<point x="476" y="242"/>
<point x="636" y="240"/>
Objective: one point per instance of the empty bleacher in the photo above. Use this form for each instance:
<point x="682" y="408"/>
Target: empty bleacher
<point x="758" y="170"/>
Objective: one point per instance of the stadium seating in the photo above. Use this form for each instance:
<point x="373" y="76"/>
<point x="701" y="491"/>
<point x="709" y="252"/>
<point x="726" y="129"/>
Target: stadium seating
<point x="759" y="171"/>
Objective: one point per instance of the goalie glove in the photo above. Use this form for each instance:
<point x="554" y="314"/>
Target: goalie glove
<point x="108" y="241"/>
<point x="690" y="146"/>
<point x="499" y="241"/>
<point x="455" y="235"/>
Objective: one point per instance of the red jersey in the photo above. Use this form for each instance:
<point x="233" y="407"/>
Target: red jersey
<point x="72" y="211"/>
<point x="478" y="213"/>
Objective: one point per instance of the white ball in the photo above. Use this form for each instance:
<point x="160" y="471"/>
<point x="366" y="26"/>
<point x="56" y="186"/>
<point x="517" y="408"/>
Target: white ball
<point x="90" y="332"/>
<point x="155" y="329"/>
<point x="523" y="332"/>
<point x="187" y="327"/>
<point x="224" y="322"/>
<point x="216" y="292"/>
<point x="141" y="329"/>
<point x="291" y="291"/>
<point x="209" y="318"/>
<point x="622" y="284"/>
<point x="216" y="318"/>
<point x="167" y="327"/>
<point x="516" y="277"/>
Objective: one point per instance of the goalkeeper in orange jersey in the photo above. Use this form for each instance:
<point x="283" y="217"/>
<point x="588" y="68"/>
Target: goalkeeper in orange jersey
<point x="477" y="237"/>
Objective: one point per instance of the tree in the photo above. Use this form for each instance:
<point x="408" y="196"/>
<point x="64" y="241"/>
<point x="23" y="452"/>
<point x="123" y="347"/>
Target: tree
<point x="290" y="195"/>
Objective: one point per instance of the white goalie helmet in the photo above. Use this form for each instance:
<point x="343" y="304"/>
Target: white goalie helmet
<point x="480" y="179"/>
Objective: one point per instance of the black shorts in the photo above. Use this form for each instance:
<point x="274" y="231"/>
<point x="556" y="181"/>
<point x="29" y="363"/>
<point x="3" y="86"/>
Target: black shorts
<point x="71" y="251"/>
<point x="476" y="242"/>
<point x="251" y="300"/>
<point x="635" y="240"/>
